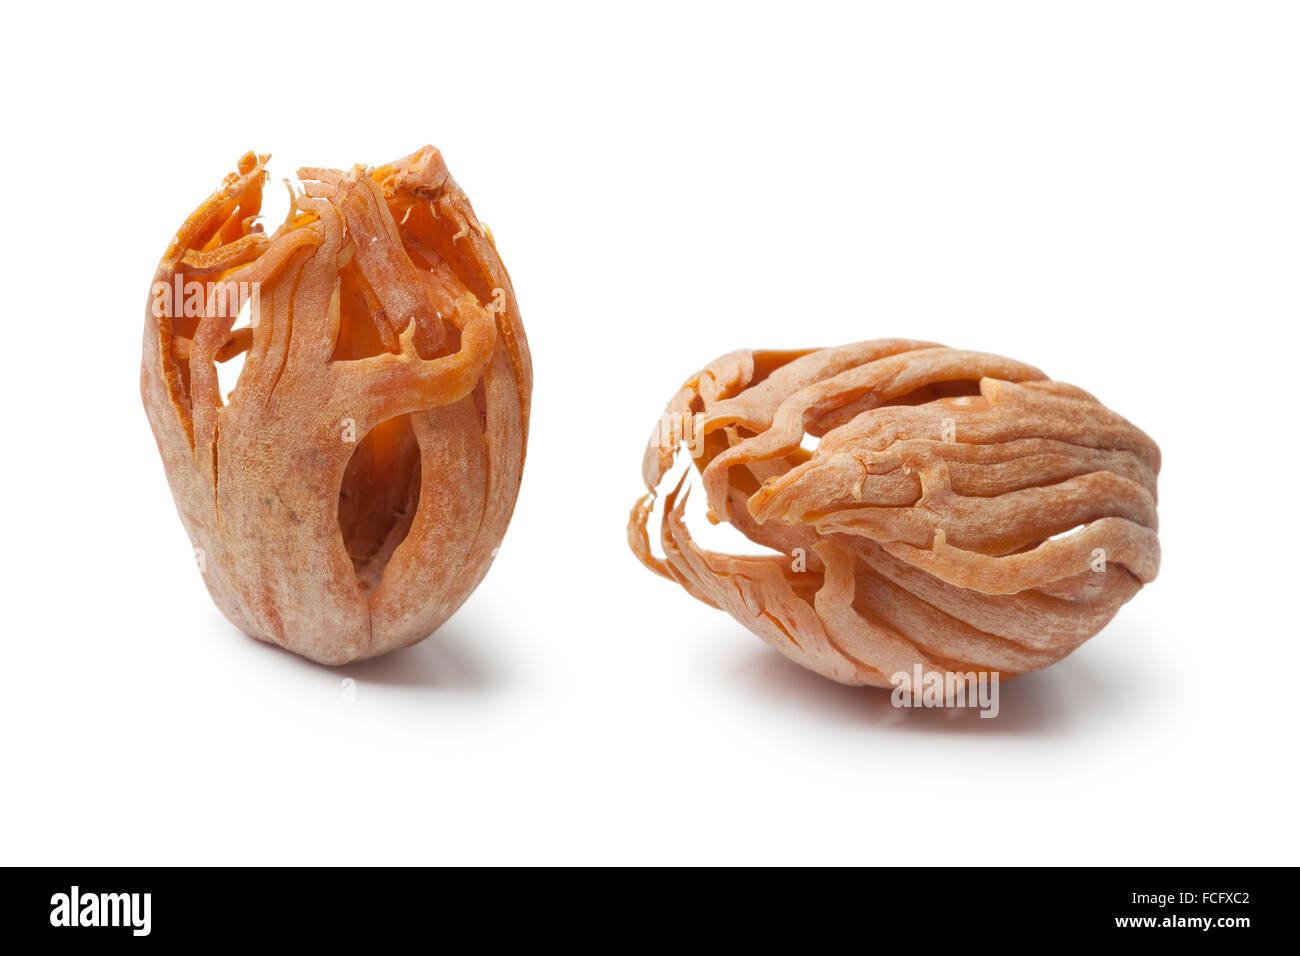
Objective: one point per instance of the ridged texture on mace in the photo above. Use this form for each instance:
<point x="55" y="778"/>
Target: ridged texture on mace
<point x="351" y="491"/>
<point x="961" y="511"/>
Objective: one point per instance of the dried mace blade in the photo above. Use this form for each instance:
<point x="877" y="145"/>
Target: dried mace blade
<point x="961" y="512"/>
<point x="351" y="491"/>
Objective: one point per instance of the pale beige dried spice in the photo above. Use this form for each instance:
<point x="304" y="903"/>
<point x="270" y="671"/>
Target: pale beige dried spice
<point x="961" y="511"/>
<point x="352" y="490"/>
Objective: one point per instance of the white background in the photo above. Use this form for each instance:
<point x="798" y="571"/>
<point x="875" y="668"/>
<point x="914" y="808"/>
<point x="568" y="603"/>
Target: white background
<point x="1110" y="191"/>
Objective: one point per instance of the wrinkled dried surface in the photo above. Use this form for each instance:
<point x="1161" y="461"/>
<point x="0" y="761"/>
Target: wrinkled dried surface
<point x="961" y="511"/>
<point x="351" y="491"/>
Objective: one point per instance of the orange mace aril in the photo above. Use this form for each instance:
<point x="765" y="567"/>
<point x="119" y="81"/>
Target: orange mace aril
<point x="351" y="491"/>
<point x="961" y="513"/>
